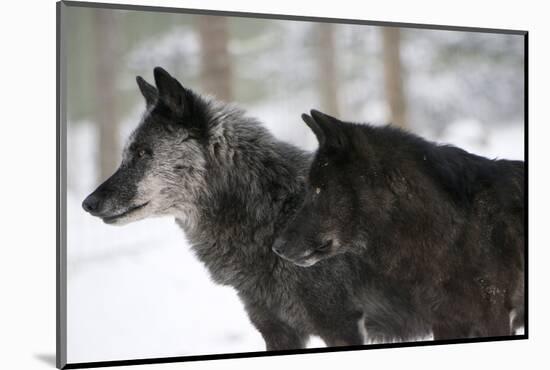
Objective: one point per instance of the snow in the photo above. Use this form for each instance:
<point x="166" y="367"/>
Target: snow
<point x="142" y="293"/>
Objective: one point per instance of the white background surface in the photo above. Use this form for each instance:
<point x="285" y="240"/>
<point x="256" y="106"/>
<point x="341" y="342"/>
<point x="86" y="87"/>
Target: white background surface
<point x="27" y="184"/>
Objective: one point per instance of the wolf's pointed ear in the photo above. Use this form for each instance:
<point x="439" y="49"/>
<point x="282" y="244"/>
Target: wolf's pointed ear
<point x="148" y="91"/>
<point x="326" y="128"/>
<point x="170" y="91"/>
<point x="315" y="128"/>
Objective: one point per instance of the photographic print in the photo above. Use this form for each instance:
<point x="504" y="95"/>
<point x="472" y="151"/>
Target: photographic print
<point x="235" y="184"/>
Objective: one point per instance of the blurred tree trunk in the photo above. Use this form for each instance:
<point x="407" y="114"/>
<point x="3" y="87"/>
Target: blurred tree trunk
<point x="393" y="75"/>
<point x="106" y="37"/>
<point x="327" y="72"/>
<point x="215" y="74"/>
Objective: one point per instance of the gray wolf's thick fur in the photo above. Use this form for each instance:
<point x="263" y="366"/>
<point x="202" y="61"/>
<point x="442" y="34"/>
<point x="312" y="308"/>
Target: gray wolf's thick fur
<point x="231" y="187"/>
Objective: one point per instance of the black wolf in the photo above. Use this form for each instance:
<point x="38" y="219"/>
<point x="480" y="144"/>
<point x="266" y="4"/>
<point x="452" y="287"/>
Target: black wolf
<point x="439" y="226"/>
<point x="232" y="187"/>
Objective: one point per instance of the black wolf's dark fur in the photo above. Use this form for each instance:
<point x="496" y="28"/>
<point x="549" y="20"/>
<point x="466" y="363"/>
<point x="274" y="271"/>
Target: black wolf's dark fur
<point x="442" y="230"/>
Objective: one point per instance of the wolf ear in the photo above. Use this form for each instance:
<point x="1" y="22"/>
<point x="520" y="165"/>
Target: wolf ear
<point x="315" y="128"/>
<point x="326" y="129"/>
<point x="148" y="91"/>
<point x="170" y="92"/>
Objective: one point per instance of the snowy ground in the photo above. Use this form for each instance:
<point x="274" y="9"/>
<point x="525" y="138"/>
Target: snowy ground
<point x="137" y="291"/>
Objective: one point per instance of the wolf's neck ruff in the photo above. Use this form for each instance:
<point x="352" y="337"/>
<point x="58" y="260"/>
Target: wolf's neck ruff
<point x="253" y="184"/>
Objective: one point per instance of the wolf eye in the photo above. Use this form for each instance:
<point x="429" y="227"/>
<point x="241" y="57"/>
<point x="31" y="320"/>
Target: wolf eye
<point x="142" y="153"/>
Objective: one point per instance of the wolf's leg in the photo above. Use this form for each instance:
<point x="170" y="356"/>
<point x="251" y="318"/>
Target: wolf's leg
<point x="352" y="337"/>
<point x="345" y="330"/>
<point x="498" y="323"/>
<point x="447" y="330"/>
<point x="277" y="334"/>
<point x="516" y="302"/>
<point x="495" y="327"/>
<point x="518" y="320"/>
<point x="484" y="319"/>
<point x="281" y="336"/>
<point x="464" y="320"/>
<point x="494" y="316"/>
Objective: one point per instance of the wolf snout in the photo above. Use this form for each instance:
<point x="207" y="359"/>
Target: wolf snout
<point x="92" y="204"/>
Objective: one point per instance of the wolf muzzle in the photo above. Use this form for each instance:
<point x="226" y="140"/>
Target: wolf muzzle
<point x="93" y="204"/>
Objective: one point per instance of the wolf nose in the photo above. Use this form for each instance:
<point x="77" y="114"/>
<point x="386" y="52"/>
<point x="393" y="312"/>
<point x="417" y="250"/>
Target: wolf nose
<point x="91" y="203"/>
<point x="278" y="246"/>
